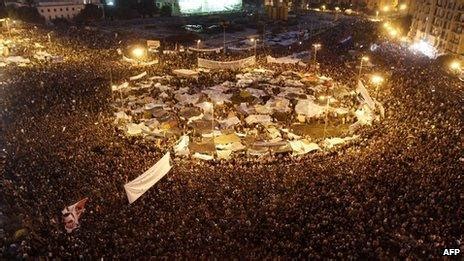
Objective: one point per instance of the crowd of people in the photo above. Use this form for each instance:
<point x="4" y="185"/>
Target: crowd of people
<point x="395" y="193"/>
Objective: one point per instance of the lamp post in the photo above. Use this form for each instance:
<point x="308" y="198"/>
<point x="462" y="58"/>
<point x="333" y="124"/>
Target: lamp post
<point x="363" y="59"/>
<point x="255" y="41"/>
<point x="224" y="23"/>
<point x="316" y="48"/>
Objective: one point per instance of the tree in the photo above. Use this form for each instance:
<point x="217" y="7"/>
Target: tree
<point x="146" y="8"/>
<point x="166" y="10"/>
<point x="25" y="13"/>
<point x="90" y="12"/>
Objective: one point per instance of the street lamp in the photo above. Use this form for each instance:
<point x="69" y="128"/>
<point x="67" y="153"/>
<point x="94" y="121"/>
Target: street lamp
<point x="363" y="59"/>
<point x="317" y="47"/>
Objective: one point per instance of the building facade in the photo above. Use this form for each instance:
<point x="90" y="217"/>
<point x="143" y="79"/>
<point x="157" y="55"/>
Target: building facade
<point x="277" y="9"/>
<point x="65" y="9"/>
<point x="440" y="23"/>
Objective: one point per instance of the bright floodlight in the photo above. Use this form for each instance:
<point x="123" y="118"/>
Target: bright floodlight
<point x="455" y="66"/>
<point x="208" y="6"/>
<point x="424" y="48"/>
<point x="365" y="58"/>
<point x="138" y="52"/>
<point x="377" y="79"/>
<point x="393" y="32"/>
<point x="317" y="46"/>
<point x="110" y="3"/>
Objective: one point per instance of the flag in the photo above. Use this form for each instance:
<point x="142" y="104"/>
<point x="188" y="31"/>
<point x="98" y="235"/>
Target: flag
<point x="365" y="94"/>
<point x="71" y="215"/>
<point x="142" y="183"/>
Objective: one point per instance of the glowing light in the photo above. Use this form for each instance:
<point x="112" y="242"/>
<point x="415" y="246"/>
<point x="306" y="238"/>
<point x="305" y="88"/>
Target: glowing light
<point x="377" y="79"/>
<point x="138" y="52"/>
<point x="386" y="25"/>
<point x="317" y="46"/>
<point x="393" y="32"/>
<point x="424" y="48"/>
<point x="365" y="58"/>
<point x="386" y="8"/>
<point x="403" y="7"/>
<point x="455" y="66"/>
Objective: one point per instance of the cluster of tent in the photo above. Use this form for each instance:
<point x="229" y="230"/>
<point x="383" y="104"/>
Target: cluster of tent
<point x="152" y="108"/>
<point x="39" y="53"/>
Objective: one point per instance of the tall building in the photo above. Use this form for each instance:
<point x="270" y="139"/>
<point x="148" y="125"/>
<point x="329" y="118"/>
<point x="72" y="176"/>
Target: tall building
<point x="440" y="23"/>
<point x="277" y="9"/>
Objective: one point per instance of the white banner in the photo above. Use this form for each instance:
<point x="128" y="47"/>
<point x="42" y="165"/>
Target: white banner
<point x="365" y="94"/>
<point x="185" y="73"/>
<point x="153" y="44"/>
<point x="142" y="183"/>
<point x="138" y="77"/>
<point x="72" y="214"/>
<point x="233" y="65"/>
<point x="203" y="50"/>
<point x="240" y="49"/>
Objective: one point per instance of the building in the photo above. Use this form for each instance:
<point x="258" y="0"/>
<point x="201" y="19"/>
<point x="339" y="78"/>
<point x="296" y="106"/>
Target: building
<point x="277" y="9"/>
<point x="439" y="23"/>
<point x="66" y="9"/>
<point x="194" y="7"/>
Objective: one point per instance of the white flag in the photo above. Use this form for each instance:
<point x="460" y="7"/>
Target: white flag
<point x="142" y="183"/>
<point x="71" y="215"/>
<point x="365" y="94"/>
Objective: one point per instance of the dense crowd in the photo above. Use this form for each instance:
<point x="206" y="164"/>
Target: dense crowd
<point x="395" y="193"/>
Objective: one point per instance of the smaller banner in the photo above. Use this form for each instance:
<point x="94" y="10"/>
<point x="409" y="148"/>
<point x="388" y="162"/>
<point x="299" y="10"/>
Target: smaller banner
<point x="71" y="215"/>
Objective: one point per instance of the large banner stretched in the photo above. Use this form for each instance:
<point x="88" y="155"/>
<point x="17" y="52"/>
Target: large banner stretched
<point x="204" y="50"/>
<point x="233" y="65"/>
<point x="142" y="183"/>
